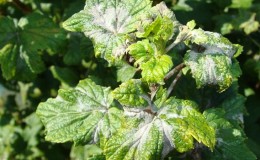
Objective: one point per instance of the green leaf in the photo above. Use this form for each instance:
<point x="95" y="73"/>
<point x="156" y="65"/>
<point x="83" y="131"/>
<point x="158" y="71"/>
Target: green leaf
<point x="81" y="114"/>
<point x="142" y="51"/>
<point x="241" y="3"/>
<point x="212" y="69"/>
<point x="157" y="24"/>
<point x="152" y="62"/>
<point x="155" y="69"/>
<point x="84" y="152"/>
<point x="66" y="76"/>
<point x="213" y="43"/>
<point x="230" y="140"/>
<point x="79" y="48"/>
<point x="251" y="25"/>
<point x="107" y="23"/>
<point x="125" y="71"/>
<point x="160" y="97"/>
<point x="20" y="45"/>
<point x="175" y="125"/>
<point x="130" y="93"/>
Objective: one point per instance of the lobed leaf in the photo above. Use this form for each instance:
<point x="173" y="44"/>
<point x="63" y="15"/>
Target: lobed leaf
<point x="212" y="69"/>
<point x="157" y="24"/>
<point x="230" y="140"/>
<point x="107" y="23"/>
<point x="21" y="43"/>
<point x="175" y="125"/>
<point x="80" y="114"/>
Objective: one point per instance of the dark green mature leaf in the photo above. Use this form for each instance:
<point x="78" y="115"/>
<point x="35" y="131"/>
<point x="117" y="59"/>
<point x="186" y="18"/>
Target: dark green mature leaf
<point x="107" y="23"/>
<point x="80" y="114"/>
<point x="66" y="76"/>
<point x="79" y="48"/>
<point x="230" y="140"/>
<point x="21" y="43"/>
<point x="154" y="136"/>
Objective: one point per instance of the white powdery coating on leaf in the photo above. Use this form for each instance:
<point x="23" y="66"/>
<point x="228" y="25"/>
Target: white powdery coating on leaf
<point x="138" y="113"/>
<point x="167" y="130"/>
<point x="211" y="49"/>
<point x="140" y="137"/>
<point x="214" y="34"/>
<point x="119" y="51"/>
<point x="114" y="20"/>
<point x="214" y="43"/>
<point x="209" y="75"/>
<point x="193" y="56"/>
<point x="165" y="111"/>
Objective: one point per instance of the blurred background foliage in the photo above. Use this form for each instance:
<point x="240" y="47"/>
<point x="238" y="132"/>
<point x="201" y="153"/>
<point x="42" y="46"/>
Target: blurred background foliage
<point x="42" y="57"/>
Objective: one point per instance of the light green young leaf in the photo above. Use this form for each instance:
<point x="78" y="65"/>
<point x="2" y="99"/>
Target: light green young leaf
<point x="84" y="152"/>
<point x="80" y="114"/>
<point x="107" y="23"/>
<point x="157" y="24"/>
<point x="153" y="63"/>
<point x="142" y="51"/>
<point x="154" y="70"/>
<point x="212" y="69"/>
<point x="130" y="94"/>
<point x="230" y="140"/>
<point x="20" y="45"/>
<point x="175" y="125"/>
<point x="241" y="3"/>
<point x="251" y="25"/>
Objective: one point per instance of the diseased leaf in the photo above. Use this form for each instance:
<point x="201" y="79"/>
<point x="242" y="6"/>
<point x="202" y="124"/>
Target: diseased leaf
<point x="20" y="45"/>
<point x="107" y="23"/>
<point x="153" y="64"/>
<point x="142" y="51"/>
<point x="130" y="93"/>
<point x="230" y="140"/>
<point x="81" y="114"/>
<point x="155" y="69"/>
<point x="212" y="69"/>
<point x="158" y="24"/>
<point x="175" y="125"/>
<point x="212" y="43"/>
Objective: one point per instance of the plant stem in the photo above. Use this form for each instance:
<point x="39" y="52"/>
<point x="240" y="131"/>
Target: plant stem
<point x="174" y="70"/>
<point x="184" y="33"/>
<point x="173" y="83"/>
<point x="24" y="8"/>
<point x="151" y="104"/>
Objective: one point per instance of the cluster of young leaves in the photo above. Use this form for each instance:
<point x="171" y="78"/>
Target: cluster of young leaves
<point x="142" y="113"/>
<point x="140" y="119"/>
